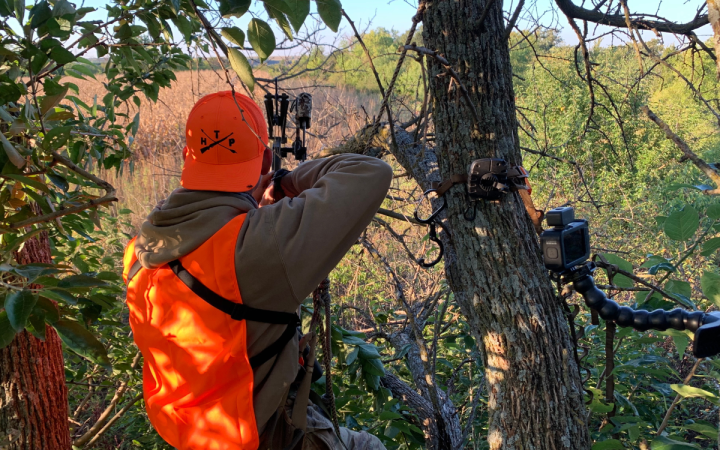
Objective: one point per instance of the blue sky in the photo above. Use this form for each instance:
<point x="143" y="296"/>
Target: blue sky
<point x="397" y="14"/>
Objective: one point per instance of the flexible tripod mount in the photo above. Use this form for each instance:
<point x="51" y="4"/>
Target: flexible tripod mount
<point x="706" y="326"/>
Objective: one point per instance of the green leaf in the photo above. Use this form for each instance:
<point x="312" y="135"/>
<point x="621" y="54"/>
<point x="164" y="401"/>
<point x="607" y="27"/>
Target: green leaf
<point x="61" y="55"/>
<point x="20" y="10"/>
<point x="82" y="342"/>
<point x="234" y="35"/>
<point x="299" y="10"/>
<point x="279" y="17"/>
<point x="653" y="260"/>
<point x="63" y="8"/>
<point x="59" y="181"/>
<point x="184" y="26"/>
<point x="689" y="391"/>
<point x="679" y="287"/>
<point x="389" y="415"/>
<point x="713" y="211"/>
<point x="19" y="305"/>
<point x="665" y="443"/>
<point x="241" y="66"/>
<point x="710" y="246"/>
<point x="681" y="225"/>
<point x="620" y="280"/>
<point x="262" y="38"/>
<point x="39" y="14"/>
<point x="13" y="155"/>
<point x="56" y="138"/>
<point x="5" y="8"/>
<point x="330" y="12"/>
<point x="52" y="314"/>
<point x="50" y="101"/>
<point x="374" y="367"/>
<point x="710" y="284"/>
<point x="80" y="281"/>
<point x="237" y="8"/>
<point x="352" y="356"/>
<point x="610" y="444"/>
<point x="707" y="430"/>
<point x="680" y="339"/>
<point x="30" y="182"/>
<point x="36" y="325"/>
<point x="7" y="332"/>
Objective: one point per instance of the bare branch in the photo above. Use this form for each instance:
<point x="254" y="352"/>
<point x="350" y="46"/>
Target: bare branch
<point x="618" y="20"/>
<point x="682" y="145"/>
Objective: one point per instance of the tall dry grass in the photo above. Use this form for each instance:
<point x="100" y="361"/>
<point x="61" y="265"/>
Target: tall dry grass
<point x="154" y="170"/>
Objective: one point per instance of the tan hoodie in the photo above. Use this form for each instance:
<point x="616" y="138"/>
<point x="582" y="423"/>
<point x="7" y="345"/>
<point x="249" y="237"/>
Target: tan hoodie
<point x="284" y="250"/>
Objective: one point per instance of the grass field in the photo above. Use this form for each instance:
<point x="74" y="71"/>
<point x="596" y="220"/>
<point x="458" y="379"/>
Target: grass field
<point x="157" y="163"/>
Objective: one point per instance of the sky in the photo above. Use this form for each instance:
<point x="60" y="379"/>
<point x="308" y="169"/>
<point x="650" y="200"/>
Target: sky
<point x="397" y="15"/>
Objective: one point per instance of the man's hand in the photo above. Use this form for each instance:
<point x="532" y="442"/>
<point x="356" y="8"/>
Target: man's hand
<point x="260" y="191"/>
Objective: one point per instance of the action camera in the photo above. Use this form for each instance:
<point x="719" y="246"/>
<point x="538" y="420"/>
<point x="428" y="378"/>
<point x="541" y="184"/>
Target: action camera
<point x="567" y="244"/>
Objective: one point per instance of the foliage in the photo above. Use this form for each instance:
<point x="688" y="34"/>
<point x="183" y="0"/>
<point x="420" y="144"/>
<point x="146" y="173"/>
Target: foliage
<point x="647" y="211"/>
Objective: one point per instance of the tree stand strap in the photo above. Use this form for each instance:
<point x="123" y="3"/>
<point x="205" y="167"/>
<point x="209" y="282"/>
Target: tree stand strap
<point x="523" y="190"/>
<point x="321" y="302"/>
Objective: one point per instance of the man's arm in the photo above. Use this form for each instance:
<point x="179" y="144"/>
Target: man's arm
<point x="329" y="203"/>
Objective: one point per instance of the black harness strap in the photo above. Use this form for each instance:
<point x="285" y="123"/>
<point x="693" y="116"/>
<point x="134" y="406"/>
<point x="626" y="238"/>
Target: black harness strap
<point x="237" y="311"/>
<point x="134" y="269"/>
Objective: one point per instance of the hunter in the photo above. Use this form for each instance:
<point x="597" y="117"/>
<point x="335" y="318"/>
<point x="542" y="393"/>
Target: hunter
<point x="217" y="272"/>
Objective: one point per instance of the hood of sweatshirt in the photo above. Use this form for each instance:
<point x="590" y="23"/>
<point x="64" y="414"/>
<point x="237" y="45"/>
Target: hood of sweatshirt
<point x="184" y="221"/>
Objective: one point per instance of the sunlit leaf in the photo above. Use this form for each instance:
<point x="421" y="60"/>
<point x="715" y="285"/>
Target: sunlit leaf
<point x="241" y="66"/>
<point x="330" y="12"/>
<point x="710" y="284"/>
<point x="682" y="225"/>
<point x="236" y="8"/>
<point x="234" y="35"/>
<point x="262" y="38"/>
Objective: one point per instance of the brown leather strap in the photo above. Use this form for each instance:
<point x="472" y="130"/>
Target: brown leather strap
<point x="442" y="187"/>
<point x="535" y="214"/>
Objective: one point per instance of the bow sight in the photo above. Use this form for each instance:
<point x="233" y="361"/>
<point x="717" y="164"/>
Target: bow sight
<point x="566" y="249"/>
<point x="277" y="106"/>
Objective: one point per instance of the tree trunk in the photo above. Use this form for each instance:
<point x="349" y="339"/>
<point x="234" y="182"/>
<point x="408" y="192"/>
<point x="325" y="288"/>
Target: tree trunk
<point x="714" y="18"/>
<point x="33" y="395"/>
<point x="495" y="268"/>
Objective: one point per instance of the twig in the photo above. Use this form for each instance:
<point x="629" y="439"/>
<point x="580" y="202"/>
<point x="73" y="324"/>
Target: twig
<point x="109" y="197"/>
<point x="397" y="238"/>
<point x="100" y="425"/>
<point x="685" y="148"/>
<point x="114" y="419"/>
<point x="637" y="279"/>
<point x="386" y="96"/>
<point x="513" y="20"/>
<point x="446" y="64"/>
<point x="678" y="397"/>
<point x="420" y="341"/>
<point x="398" y="216"/>
<point x="379" y="83"/>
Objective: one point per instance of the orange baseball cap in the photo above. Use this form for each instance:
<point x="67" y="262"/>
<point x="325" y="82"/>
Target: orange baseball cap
<point x="224" y="147"/>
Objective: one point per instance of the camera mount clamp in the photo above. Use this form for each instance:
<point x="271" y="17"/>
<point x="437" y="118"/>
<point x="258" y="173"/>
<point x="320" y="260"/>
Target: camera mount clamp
<point x="706" y="326"/>
<point x="490" y="179"/>
<point x="487" y="179"/>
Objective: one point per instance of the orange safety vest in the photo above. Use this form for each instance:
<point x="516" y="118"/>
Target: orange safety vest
<point x="188" y="319"/>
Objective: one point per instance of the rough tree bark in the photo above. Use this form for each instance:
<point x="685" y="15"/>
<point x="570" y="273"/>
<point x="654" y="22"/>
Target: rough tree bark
<point x="33" y="395"/>
<point x="714" y="18"/>
<point x="495" y="268"/>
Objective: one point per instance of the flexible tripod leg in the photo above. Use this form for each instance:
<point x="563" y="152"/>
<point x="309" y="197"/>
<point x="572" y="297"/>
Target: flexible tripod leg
<point x="705" y="326"/>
